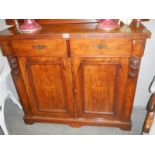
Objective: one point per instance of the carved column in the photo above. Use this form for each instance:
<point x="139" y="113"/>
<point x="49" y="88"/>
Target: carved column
<point x="14" y="65"/>
<point x="130" y="87"/>
<point x="134" y="66"/>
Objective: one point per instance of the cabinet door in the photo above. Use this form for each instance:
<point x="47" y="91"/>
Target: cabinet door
<point x="48" y="84"/>
<point x="100" y="86"/>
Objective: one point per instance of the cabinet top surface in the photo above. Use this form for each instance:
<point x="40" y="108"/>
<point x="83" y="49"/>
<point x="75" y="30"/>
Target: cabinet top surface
<point x="82" y="30"/>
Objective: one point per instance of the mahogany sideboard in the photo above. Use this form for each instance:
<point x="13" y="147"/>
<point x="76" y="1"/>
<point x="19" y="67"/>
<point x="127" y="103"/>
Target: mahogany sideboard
<point x="75" y="74"/>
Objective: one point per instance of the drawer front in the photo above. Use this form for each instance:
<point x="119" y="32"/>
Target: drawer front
<point x="41" y="47"/>
<point x="101" y="47"/>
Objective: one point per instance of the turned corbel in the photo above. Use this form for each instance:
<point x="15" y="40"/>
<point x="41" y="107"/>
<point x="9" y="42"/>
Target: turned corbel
<point x="134" y="66"/>
<point x="14" y="65"/>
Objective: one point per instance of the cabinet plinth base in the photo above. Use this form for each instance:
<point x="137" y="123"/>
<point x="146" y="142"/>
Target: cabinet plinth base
<point x="76" y="123"/>
<point x="126" y="127"/>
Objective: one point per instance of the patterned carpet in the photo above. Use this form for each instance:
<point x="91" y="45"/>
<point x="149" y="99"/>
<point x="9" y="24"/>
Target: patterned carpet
<point x="16" y="125"/>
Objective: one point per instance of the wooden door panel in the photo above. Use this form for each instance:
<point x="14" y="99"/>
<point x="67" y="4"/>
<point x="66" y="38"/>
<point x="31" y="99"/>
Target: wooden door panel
<point x="49" y="86"/>
<point x="100" y="86"/>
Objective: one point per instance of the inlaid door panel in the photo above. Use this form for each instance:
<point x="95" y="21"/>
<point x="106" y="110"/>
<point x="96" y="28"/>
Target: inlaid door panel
<point x="100" y="86"/>
<point x="49" y="85"/>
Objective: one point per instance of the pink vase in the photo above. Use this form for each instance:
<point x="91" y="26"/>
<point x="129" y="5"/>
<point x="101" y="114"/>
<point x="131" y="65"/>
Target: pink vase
<point x="29" y="26"/>
<point x="108" y="24"/>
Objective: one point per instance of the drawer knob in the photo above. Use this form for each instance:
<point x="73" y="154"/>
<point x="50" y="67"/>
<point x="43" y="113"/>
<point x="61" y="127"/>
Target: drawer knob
<point x="39" y="46"/>
<point x="101" y="46"/>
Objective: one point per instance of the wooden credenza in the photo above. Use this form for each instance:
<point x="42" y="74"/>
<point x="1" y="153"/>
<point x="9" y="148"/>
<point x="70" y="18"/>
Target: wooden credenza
<point x="76" y="74"/>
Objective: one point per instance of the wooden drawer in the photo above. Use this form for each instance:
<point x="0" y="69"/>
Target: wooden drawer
<point x="41" y="47"/>
<point x="95" y="47"/>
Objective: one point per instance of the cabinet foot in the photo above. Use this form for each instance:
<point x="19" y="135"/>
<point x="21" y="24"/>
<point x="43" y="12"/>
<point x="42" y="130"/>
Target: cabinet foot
<point x="75" y="125"/>
<point x="28" y="121"/>
<point x="126" y="127"/>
